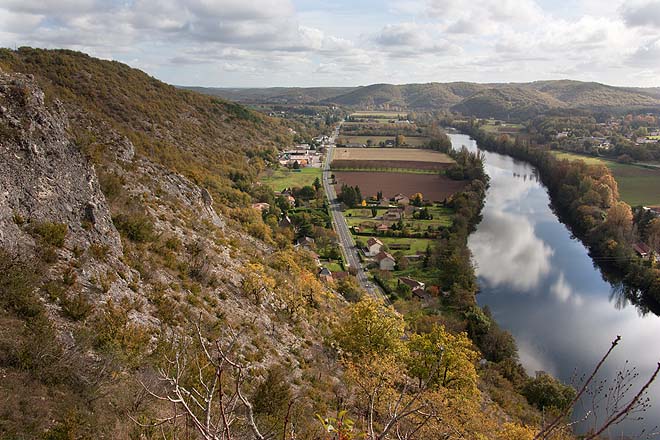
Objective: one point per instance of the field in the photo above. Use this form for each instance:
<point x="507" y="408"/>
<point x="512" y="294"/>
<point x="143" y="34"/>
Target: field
<point x="433" y="187"/>
<point x="638" y="185"/>
<point x="414" y="141"/>
<point x="378" y="114"/>
<point x="362" y="216"/>
<point x="391" y="154"/>
<point x="284" y="178"/>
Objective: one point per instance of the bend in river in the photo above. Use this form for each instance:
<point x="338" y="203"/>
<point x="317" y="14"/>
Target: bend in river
<point x="541" y="284"/>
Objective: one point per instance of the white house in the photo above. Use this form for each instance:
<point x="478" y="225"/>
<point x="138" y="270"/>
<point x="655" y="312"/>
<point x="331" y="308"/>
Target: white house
<point x="385" y="261"/>
<point x="374" y="247"/>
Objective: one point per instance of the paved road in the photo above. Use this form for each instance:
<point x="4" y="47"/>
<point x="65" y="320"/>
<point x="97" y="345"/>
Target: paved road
<point x="339" y="222"/>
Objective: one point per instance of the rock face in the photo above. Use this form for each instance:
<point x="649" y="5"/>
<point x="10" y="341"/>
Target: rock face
<point x="43" y="175"/>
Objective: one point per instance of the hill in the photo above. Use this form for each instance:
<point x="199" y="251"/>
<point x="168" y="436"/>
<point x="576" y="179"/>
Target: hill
<point x="514" y="100"/>
<point x="141" y="296"/>
<point x="274" y="95"/>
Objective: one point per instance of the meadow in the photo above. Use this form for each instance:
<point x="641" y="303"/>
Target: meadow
<point x="282" y="178"/>
<point x="638" y="185"/>
<point x="413" y="141"/>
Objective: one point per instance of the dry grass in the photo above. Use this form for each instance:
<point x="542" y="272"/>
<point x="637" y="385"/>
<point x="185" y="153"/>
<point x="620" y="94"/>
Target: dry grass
<point x="390" y="154"/>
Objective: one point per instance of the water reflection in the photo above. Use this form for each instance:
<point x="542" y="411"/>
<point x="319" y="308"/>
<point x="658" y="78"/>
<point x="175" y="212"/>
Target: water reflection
<point x="541" y="285"/>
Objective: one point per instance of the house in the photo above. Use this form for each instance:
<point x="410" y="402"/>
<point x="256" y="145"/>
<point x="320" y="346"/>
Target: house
<point x="374" y="247"/>
<point x="385" y="261"/>
<point x="261" y="207"/>
<point x="412" y="283"/>
<point x="382" y="228"/>
<point x="285" y="222"/>
<point x="393" y="215"/>
<point x="400" y="199"/>
<point x="325" y="275"/>
<point x="642" y="249"/>
<point x="417" y="288"/>
<point x="305" y="242"/>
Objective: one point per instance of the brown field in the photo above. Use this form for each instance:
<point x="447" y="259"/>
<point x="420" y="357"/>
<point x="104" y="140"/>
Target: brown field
<point x="433" y="187"/>
<point x="389" y="165"/>
<point x="391" y="154"/>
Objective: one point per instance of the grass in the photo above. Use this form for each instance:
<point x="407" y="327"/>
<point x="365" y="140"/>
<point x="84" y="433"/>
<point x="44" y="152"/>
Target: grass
<point x="416" y="244"/>
<point x="414" y="141"/>
<point x="284" y="178"/>
<point x="333" y="267"/>
<point x="638" y="185"/>
<point x="441" y="217"/>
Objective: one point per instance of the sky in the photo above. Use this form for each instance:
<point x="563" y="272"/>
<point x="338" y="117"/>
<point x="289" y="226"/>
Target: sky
<point x="266" y="43"/>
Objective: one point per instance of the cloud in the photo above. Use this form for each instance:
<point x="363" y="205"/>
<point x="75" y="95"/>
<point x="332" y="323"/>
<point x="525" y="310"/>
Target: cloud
<point x="647" y="55"/>
<point x="508" y="252"/>
<point x="641" y="13"/>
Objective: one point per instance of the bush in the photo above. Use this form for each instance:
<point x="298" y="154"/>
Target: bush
<point x="546" y="392"/>
<point x="49" y="233"/>
<point x="136" y="227"/>
<point x="17" y="284"/>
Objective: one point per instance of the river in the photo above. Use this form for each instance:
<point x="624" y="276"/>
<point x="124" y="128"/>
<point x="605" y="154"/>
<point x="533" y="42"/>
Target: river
<point x="541" y="284"/>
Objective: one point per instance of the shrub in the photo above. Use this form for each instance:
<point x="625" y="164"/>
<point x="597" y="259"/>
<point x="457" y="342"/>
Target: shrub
<point x="136" y="227"/>
<point x="49" y="233"/>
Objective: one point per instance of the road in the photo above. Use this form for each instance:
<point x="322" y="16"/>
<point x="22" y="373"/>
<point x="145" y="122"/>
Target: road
<point x="341" y="227"/>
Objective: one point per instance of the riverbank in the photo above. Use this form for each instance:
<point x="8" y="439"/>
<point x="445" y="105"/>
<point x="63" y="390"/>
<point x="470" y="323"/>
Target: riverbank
<point x="585" y="198"/>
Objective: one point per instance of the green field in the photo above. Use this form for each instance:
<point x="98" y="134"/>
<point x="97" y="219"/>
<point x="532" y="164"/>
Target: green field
<point x="416" y="244"/>
<point x="333" y="267"/>
<point x="284" y="178"/>
<point x="412" y="141"/>
<point x="638" y="185"/>
<point x="441" y="217"/>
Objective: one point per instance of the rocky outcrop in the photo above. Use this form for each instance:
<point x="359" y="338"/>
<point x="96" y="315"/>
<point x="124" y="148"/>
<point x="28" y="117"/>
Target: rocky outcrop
<point x="45" y="179"/>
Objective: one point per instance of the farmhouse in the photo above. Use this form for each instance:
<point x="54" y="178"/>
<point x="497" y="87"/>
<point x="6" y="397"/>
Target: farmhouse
<point x="305" y="242"/>
<point x="642" y="249"/>
<point x="385" y="261"/>
<point x="400" y="199"/>
<point x="413" y="284"/>
<point x="382" y="228"/>
<point x="325" y="275"/>
<point x="285" y="222"/>
<point x="393" y="215"/>
<point x="374" y="247"/>
<point x="261" y="207"/>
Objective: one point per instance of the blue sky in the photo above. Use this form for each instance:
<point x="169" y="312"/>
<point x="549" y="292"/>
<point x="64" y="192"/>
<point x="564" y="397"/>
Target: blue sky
<point x="260" y="43"/>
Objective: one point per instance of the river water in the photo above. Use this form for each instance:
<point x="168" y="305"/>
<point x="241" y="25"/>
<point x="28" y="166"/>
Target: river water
<point x="542" y="286"/>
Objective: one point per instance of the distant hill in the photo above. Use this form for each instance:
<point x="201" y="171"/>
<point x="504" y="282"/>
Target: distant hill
<point x="275" y="95"/>
<point x="512" y="100"/>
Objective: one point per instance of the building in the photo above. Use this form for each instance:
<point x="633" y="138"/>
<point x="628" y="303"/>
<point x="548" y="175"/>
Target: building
<point x="642" y="249"/>
<point x="393" y="215"/>
<point x="401" y="199"/>
<point x="382" y="228"/>
<point x="261" y="207"/>
<point x="305" y="242"/>
<point x="385" y="261"/>
<point x="285" y="222"/>
<point x="325" y="275"/>
<point x="374" y="246"/>
<point x="417" y="288"/>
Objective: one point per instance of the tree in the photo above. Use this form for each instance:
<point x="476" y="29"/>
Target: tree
<point x="349" y="288"/>
<point x="369" y="329"/>
<point x="400" y="140"/>
<point x="296" y="165"/>
<point x="547" y="393"/>
<point x="317" y="184"/>
<point x="449" y="357"/>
